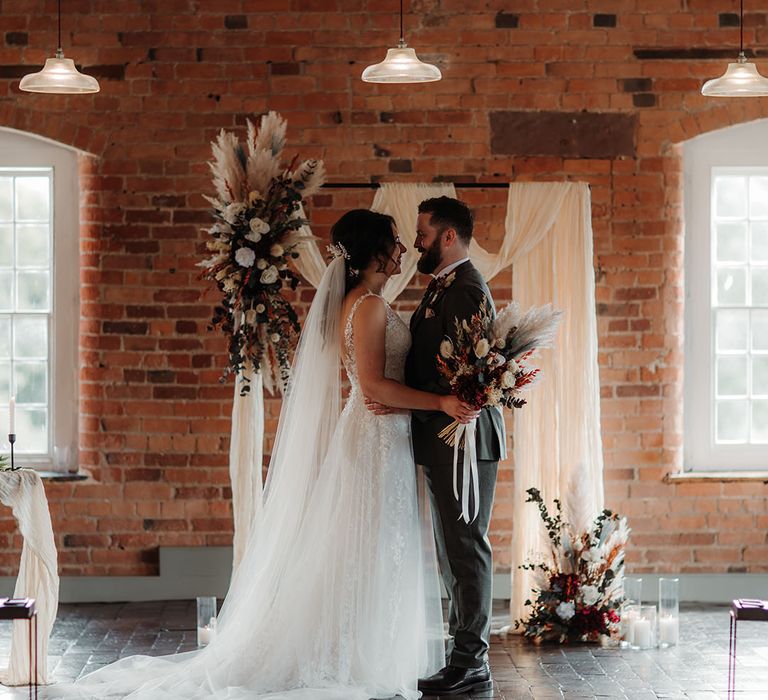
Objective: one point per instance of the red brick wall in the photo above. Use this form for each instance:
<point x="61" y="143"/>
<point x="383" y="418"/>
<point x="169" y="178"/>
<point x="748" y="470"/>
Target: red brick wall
<point x="154" y="418"/>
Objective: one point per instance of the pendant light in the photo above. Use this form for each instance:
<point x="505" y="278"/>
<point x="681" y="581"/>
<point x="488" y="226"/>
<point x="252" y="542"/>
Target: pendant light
<point x="741" y="79"/>
<point x="59" y="75"/>
<point x="401" y="65"/>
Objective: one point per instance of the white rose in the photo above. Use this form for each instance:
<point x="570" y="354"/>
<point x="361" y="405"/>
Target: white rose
<point x="262" y="264"/>
<point x="565" y="611"/>
<point x="276" y="251"/>
<point x="446" y="348"/>
<point x="513" y="367"/>
<point x="251" y="236"/>
<point x="245" y="257"/>
<point x="275" y="337"/>
<point x="482" y="348"/>
<point x="258" y="225"/>
<point x="260" y="308"/>
<point x="590" y="594"/>
<point x="507" y="380"/>
<point x="250" y="317"/>
<point x="270" y="275"/>
<point x="233" y="211"/>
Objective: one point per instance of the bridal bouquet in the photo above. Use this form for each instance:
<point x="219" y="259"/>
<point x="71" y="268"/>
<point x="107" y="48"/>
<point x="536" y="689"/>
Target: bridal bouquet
<point x="258" y="225"/>
<point x="580" y="591"/>
<point x="487" y="365"/>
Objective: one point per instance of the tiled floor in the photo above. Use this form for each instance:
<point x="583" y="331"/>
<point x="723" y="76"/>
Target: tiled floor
<point x="88" y="636"/>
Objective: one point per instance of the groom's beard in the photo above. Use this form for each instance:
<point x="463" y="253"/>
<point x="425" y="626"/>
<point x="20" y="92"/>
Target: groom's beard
<point x="431" y="258"/>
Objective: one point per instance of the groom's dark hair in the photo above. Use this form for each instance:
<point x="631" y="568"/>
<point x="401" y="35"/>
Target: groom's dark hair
<point x="447" y="212"/>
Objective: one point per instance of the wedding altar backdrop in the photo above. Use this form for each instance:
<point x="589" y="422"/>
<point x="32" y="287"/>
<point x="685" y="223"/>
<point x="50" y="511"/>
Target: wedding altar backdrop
<point x="548" y="241"/>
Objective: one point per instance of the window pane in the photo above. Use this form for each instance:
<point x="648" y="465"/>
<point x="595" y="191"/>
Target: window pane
<point x="759" y="421"/>
<point x="32" y="290"/>
<point x="732" y="376"/>
<point x="731" y="286"/>
<point x="32" y="199"/>
<point x="31" y="382"/>
<point x="758" y="197"/>
<point x="6" y="199"/>
<point x="5" y="384"/>
<point x="5" y="336"/>
<point x="759" y="251"/>
<point x="731" y="197"/>
<point x="732" y="242"/>
<point x="760" y="375"/>
<point x="31" y="429"/>
<point x="732" y="421"/>
<point x="6" y="291"/>
<point x="6" y="245"/>
<point x="760" y="286"/>
<point x="30" y="337"/>
<point x="759" y="330"/>
<point x="732" y="329"/>
<point x="32" y="245"/>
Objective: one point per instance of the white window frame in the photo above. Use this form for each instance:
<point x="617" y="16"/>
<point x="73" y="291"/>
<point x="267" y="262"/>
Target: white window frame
<point x="738" y="149"/>
<point x="19" y="151"/>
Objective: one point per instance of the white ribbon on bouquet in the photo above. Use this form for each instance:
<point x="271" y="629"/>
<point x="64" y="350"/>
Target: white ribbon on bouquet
<point x="469" y="477"/>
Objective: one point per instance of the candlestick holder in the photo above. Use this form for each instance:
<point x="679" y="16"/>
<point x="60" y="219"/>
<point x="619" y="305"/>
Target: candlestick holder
<point x="12" y="440"/>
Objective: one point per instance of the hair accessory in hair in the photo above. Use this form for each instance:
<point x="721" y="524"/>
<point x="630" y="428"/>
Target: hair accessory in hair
<point x="337" y="250"/>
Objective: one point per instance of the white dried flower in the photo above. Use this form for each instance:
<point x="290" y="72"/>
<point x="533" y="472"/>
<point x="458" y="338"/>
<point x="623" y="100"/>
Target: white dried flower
<point x="220" y="227"/>
<point x="254" y="237"/>
<point x="565" y="611"/>
<point x="250" y="317"/>
<point x="507" y="380"/>
<point x="275" y="337"/>
<point x="229" y="286"/>
<point x="512" y="366"/>
<point x="500" y="343"/>
<point x="245" y="257"/>
<point x="233" y="211"/>
<point x="446" y="348"/>
<point x="482" y="348"/>
<point x="590" y="594"/>
<point x="262" y="264"/>
<point x="258" y="225"/>
<point x="276" y="251"/>
<point x="270" y="275"/>
<point x="260" y="308"/>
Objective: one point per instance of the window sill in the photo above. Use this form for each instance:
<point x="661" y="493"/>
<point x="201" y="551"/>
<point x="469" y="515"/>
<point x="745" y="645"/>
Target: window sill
<point x="62" y="476"/>
<point x="685" y="477"/>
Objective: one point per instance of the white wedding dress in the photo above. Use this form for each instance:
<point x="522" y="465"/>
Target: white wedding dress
<point x="337" y="596"/>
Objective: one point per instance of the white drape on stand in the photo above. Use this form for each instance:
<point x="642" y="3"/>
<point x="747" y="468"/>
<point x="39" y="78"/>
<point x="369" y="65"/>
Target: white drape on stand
<point x="38" y="578"/>
<point x="557" y="435"/>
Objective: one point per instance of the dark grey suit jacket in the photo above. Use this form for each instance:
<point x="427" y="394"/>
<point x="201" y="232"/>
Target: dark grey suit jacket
<point x="460" y="300"/>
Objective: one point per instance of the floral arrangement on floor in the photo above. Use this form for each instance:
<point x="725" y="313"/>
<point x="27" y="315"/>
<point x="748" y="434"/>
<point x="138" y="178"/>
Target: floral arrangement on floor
<point x="580" y="590"/>
<point x="486" y="366"/>
<point x="258" y="214"/>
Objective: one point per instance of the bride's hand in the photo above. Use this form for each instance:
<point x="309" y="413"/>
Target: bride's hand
<point x="457" y="409"/>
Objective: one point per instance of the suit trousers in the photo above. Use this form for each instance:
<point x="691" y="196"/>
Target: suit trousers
<point x="466" y="561"/>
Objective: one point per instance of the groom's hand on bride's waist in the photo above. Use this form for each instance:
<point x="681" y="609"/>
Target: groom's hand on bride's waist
<point x="381" y="409"/>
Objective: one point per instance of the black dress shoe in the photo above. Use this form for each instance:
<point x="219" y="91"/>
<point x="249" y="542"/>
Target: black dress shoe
<point x="453" y="680"/>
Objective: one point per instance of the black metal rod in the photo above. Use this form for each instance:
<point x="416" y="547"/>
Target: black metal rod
<point x="377" y="185"/>
<point x="402" y="36"/>
<point x="59" y="24"/>
<point x="741" y="28"/>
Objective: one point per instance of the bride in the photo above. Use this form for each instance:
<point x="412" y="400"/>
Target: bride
<point x="337" y="595"/>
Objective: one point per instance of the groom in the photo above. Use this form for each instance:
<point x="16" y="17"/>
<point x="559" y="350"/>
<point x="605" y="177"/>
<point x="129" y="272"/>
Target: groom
<point x="457" y="290"/>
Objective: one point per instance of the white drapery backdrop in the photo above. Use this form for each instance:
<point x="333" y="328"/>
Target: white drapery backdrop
<point x="548" y="239"/>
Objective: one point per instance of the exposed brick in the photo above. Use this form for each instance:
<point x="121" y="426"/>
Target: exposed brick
<point x="16" y="38"/>
<point x="236" y="22"/>
<point x="604" y="20"/>
<point x="507" y="20"/>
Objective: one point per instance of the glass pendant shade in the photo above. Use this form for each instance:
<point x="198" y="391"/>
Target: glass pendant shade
<point x="401" y="65"/>
<point x="741" y="79"/>
<point x="59" y="76"/>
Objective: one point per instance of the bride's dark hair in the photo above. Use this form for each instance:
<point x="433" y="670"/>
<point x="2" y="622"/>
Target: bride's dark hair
<point x="365" y="236"/>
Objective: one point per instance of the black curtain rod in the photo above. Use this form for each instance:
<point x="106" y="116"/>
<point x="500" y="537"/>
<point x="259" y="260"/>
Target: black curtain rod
<point x="376" y="185"/>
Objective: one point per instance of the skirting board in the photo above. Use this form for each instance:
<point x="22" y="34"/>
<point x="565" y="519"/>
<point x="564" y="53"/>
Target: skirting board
<point x="186" y="572"/>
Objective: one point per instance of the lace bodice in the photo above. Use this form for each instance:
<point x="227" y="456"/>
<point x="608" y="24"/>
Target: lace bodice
<point x="397" y="342"/>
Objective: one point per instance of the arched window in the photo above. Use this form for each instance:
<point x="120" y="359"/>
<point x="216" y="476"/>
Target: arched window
<point x="39" y="301"/>
<point x="726" y="300"/>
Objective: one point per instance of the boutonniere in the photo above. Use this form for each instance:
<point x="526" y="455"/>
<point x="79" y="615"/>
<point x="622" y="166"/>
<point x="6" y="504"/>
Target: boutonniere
<point x="441" y="284"/>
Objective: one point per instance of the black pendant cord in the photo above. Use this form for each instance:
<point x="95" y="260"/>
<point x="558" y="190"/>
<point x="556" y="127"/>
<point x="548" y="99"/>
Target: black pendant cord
<point x="59" y="25"/>
<point x="741" y="28"/>
<point x="402" y="36"/>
